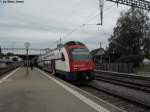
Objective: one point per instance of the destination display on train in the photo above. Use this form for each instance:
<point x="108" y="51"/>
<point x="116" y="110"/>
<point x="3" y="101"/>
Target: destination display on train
<point x="80" y="50"/>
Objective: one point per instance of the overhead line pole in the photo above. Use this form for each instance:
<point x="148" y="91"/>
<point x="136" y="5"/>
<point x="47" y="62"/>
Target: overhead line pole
<point x="27" y="45"/>
<point x="101" y="6"/>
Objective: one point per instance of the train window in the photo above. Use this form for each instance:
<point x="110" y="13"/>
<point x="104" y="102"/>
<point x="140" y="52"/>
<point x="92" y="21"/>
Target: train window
<point x="62" y="57"/>
<point x="81" y="54"/>
<point x="80" y="50"/>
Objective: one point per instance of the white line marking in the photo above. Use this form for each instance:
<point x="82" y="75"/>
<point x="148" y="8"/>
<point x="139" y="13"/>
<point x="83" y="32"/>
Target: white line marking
<point x="77" y="94"/>
<point x="10" y="74"/>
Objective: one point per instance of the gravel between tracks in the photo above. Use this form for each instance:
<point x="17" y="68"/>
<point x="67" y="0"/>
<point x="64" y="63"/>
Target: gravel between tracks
<point x="115" y="100"/>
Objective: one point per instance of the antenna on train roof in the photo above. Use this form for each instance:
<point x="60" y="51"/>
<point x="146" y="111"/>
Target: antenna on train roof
<point x="59" y="44"/>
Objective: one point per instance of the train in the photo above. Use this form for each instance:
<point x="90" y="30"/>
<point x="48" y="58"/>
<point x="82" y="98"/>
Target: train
<point x="72" y="61"/>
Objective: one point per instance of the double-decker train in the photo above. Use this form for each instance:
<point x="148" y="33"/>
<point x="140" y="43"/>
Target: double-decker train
<point x="72" y="61"/>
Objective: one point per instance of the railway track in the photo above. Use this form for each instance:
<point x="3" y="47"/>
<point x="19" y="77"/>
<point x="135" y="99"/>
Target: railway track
<point x="123" y="104"/>
<point x="131" y="79"/>
<point x="127" y="91"/>
<point x="4" y="70"/>
<point x="126" y="80"/>
<point x="128" y="86"/>
<point x="125" y="84"/>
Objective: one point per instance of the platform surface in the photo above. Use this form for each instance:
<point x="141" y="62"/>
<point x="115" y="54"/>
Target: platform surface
<point x="34" y="92"/>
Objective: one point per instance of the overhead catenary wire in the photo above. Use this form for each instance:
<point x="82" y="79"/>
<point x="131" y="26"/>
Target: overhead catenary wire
<point x="105" y="11"/>
<point x="67" y="18"/>
<point x="73" y="11"/>
<point x="92" y="18"/>
<point x="80" y="26"/>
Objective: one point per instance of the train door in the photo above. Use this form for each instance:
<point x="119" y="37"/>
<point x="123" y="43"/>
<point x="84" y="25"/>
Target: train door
<point x="53" y="67"/>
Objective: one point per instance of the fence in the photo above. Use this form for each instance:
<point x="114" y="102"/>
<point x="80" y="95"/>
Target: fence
<point x="115" y="67"/>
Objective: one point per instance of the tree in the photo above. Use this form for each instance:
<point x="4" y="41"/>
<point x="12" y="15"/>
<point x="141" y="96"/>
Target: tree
<point x="9" y="54"/>
<point x="146" y="47"/>
<point x="128" y="35"/>
<point x="1" y="54"/>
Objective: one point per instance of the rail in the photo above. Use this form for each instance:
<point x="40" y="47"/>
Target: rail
<point x="8" y="68"/>
<point x="129" y="86"/>
<point x="143" y="81"/>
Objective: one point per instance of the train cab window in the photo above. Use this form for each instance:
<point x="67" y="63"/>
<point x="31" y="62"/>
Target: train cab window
<point x="81" y="54"/>
<point x="62" y="57"/>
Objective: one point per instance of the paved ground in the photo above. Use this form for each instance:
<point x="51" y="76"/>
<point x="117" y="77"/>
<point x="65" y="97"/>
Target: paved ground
<point x="36" y="93"/>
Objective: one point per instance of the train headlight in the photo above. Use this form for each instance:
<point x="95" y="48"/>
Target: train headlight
<point x="75" y="68"/>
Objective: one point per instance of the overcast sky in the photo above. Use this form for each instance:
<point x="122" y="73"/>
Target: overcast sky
<point x="42" y="22"/>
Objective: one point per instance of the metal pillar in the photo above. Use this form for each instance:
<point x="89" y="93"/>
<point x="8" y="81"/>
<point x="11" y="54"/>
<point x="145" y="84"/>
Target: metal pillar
<point x="27" y="45"/>
<point x="27" y="61"/>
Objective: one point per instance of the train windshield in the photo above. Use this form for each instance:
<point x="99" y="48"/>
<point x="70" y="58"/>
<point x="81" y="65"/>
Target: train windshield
<point x="81" y="54"/>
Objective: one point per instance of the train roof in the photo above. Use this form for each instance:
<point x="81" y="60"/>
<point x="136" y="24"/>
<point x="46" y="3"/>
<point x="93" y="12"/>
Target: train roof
<point x="66" y="44"/>
<point x="73" y="43"/>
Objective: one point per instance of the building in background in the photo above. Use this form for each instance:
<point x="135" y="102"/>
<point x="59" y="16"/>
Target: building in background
<point x="99" y="55"/>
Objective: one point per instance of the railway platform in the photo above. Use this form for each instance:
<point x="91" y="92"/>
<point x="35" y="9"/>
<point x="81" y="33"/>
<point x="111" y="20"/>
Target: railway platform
<point x="38" y="91"/>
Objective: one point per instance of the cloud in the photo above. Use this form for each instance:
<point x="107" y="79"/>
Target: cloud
<point x="42" y="22"/>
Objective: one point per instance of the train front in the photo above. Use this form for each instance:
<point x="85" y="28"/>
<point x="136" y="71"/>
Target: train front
<point x="81" y="64"/>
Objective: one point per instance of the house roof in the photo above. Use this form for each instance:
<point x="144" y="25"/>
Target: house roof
<point x="97" y="52"/>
